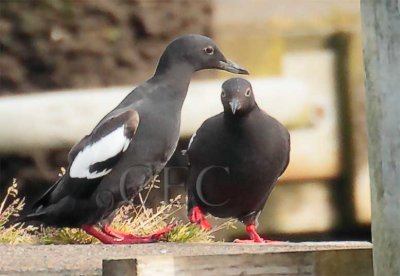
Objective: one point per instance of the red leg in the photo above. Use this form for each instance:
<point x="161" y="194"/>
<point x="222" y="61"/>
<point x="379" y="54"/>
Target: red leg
<point x="254" y="237"/>
<point x="196" y="216"/>
<point x="107" y="239"/>
<point x="121" y="235"/>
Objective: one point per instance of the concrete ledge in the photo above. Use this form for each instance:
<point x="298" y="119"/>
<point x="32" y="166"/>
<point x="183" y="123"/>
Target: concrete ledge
<point x="87" y="259"/>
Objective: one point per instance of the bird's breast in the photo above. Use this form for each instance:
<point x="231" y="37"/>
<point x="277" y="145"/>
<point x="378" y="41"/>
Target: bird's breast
<point x="156" y="138"/>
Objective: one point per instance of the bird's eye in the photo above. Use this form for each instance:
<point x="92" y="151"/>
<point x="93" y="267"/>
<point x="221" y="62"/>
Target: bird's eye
<point x="209" y="50"/>
<point x="247" y="93"/>
<point x="223" y="95"/>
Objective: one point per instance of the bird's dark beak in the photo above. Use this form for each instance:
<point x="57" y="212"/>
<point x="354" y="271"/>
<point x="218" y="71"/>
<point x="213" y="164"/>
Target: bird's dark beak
<point x="235" y="105"/>
<point x="232" y="67"/>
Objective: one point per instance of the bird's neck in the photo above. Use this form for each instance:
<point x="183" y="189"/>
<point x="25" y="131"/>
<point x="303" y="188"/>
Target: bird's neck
<point x="176" y="78"/>
<point x="174" y="69"/>
<point x="240" y="115"/>
<point x="170" y="64"/>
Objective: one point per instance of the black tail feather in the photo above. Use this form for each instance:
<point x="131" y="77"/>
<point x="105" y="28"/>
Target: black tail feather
<point x="45" y="198"/>
<point x="36" y="216"/>
<point x="37" y="210"/>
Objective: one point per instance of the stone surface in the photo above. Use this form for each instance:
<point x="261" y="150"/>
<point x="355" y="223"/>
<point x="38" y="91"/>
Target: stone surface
<point x="87" y="259"/>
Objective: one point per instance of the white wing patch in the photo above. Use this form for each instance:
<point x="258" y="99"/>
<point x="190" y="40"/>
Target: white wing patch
<point x="102" y="150"/>
<point x="191" y="140"/>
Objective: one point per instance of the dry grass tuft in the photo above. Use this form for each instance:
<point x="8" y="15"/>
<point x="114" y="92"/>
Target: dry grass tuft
<point x="189" y="232"/>
<point x="15" y="206"/>
<point x="16" y="233"/>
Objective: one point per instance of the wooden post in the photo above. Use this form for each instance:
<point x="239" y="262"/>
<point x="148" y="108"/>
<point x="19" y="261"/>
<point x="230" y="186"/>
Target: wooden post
<point x="381" y="31"/>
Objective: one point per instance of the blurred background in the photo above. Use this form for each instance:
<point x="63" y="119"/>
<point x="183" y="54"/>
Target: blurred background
<point x="64" y="64"/>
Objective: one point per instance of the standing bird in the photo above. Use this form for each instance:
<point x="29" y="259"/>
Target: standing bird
<point x="129" y="146"/>
<point x="235" y="159"/>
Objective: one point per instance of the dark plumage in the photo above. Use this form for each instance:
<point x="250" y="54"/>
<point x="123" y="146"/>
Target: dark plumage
<point x="235" y="159"/>
<point x="129" y="146"/>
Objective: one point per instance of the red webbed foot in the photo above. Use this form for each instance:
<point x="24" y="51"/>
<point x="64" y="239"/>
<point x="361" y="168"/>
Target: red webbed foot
<point x="108" y="235"/>
<point x="121" y="235"/>
<point x="254" y="236"/>
<point x="108" y="239"/>
<point x="197" y="216"/>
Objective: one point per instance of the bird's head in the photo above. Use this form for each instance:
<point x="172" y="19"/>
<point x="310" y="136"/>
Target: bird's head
<point x="237" y="96"/>
<point x="200" y="52"/>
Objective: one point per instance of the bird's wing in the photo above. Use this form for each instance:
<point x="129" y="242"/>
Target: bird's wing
<point x="201" y="132"/>
<point x="96" y="154"/>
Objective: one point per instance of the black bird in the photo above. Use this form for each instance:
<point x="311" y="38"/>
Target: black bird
<point x="129" y="146"/>
<point x="235" y="159"/>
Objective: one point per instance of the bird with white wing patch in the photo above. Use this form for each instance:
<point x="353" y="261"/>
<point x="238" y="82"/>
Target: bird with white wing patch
<point x="120" y="156"/>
